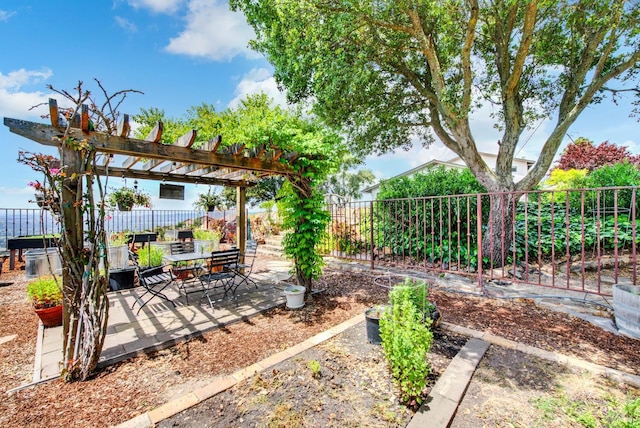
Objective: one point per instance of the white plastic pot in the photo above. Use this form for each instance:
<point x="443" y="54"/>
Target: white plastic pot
<point x="295" y="296"/>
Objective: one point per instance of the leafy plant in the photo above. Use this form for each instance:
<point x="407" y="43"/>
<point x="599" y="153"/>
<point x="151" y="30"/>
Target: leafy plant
<point x="583" y="154"/>
<point x="406" y="341"/>
<point x="206" y="235"/>
<point x="44" y="292"/>
<point x="208" y="201"/>
<point x="118" y="239"/>
<point x="126" y="198"/>
<point x="314" y="366"/>
<point x="150" y="256"/>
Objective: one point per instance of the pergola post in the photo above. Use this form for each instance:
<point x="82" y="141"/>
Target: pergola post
<point x="241" y="225"/>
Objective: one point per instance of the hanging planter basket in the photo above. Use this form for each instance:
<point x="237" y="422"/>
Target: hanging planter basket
<point x="124" y="207"/>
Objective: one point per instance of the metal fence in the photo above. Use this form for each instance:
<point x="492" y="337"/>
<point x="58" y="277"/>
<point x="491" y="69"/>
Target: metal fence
<point x="15" y="222"/>
<point x="580" y="240"/>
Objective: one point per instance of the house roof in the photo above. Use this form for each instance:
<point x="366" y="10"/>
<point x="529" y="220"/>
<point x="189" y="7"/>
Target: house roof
<point x="435" y="162"/>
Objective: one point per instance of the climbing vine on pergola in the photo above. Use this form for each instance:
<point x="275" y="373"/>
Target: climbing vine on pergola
<point x="87" y="152"/>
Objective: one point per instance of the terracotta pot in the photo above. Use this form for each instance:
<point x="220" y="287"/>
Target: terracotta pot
<point x="50" y="317"/>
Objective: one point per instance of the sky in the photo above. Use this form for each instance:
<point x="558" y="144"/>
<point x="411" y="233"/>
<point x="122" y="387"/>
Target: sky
<point x="181" y="53"/>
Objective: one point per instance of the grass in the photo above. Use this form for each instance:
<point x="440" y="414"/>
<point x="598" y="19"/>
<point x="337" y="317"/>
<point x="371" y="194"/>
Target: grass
<point x="590" y="412"/>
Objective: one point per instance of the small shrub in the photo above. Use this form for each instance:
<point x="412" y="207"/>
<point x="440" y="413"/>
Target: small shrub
<point x="406" y="341"/>
<point x="44" y="292"/>
<point x="206" y="235"/>
<point x="315" y="368"/>
<point x="150" y="256"/>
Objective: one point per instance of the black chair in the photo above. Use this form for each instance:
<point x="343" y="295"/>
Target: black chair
<point x="154" y="281"/>
<point x="221" y="274"/>
<point x="184" y="272"/>
<point x="244" y="269"/>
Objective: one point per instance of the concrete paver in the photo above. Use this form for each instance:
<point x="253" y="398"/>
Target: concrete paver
<point x="159" y="325"/>
<point x="438" y="410"/>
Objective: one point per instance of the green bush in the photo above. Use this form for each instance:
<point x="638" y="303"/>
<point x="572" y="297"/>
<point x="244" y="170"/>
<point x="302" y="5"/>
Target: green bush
<point x="150" y="256"/>
<point x="417" y="223"/>
<point x="406" y="341"/>
<point x="44" y="292"/>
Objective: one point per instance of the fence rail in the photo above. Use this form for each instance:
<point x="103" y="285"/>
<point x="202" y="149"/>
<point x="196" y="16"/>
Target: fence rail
<point x="15" y="222"/>
<point x="580" y="240"/>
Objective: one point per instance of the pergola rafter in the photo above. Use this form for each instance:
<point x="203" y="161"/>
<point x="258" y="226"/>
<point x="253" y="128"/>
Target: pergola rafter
<point x="149" y="159"/>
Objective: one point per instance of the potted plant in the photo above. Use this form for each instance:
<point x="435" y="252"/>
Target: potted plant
<point x="46" y="296"/>
<point x="208" y="201"/>
<point x="295" y="296"/>
<point x="126" y="198"/>
<point x="206" y="241"/>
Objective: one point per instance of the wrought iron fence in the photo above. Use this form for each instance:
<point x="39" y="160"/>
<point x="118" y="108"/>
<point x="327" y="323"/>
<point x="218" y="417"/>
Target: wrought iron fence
<point x="579" y="240"/>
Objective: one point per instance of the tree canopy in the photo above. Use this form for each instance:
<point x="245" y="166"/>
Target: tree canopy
<point x="384" y="71"/>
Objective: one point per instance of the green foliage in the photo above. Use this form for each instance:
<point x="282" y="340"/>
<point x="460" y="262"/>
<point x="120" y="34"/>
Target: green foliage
<point x="435" y="181"/>
<point x="406" y="341"/>
<point x="150" y="256"/>
<point x="118" y="238"/>
<point x="366" y="67"/>
<point x="44" y="292"/>
<point x="428" y="228"/>
<point x="125" y="198"/>
<point x="314" y="366"/>
<point x="208" y="201"/>
<point x="344" y="185"/>
<point x="206" y="235"/>
<point x="306" y="219"/>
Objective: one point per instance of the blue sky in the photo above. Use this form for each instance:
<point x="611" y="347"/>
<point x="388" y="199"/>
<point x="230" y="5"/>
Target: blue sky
<point x="181" y="53"/>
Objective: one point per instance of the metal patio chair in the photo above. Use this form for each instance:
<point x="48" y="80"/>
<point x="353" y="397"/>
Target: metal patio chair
<point x="154" y="281"/>
<point x="221" y="274"/>
<point x="244" y="269"/>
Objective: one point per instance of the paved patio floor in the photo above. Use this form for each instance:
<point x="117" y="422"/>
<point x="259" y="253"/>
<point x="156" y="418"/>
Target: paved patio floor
<point x="159" y="325"/>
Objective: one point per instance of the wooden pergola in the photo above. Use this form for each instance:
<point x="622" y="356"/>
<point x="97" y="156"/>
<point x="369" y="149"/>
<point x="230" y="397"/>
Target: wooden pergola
<point x="184" y="161"/>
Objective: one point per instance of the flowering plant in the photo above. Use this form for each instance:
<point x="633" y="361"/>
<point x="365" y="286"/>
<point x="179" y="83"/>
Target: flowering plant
<point x="47" y="191"/>
<point x="126" y="198"/>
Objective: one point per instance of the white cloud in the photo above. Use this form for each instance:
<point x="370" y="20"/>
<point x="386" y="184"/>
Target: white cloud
<point x="5" y="15"/>
<point x="158" y="6"/>
<point x="214" y="32"/>
<point x="125" y="24"/>
<point x="15" y="102"/>
<point x="256" y="81"/>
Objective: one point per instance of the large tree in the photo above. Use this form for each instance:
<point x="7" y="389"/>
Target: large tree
<point x="385" y="71"/>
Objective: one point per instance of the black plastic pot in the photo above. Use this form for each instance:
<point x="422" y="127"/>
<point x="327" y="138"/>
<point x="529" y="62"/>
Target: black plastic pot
<point x="372" y="322"/>
<point x="121" y="279"/>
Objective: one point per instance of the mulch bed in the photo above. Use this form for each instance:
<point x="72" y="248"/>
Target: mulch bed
<point x="132" y="387"/>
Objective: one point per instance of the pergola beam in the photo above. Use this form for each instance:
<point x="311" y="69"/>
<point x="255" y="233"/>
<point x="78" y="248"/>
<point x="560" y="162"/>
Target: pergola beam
<point x="180" y="178"/>
<point x="47" y="135"/>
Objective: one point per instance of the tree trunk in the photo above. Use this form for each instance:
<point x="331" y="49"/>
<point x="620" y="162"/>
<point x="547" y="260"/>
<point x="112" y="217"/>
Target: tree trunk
<point x="497" y="233"/>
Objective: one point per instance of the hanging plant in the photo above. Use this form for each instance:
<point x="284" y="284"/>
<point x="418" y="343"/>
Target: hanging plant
<point x="126" y="198"/>
<point x="208" y="201"/>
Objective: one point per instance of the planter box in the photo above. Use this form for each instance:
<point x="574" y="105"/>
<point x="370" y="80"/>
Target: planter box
<point x="41" y="262"/>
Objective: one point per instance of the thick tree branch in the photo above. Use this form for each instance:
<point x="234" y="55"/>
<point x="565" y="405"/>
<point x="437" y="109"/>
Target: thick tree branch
<point x="467" y="75"/>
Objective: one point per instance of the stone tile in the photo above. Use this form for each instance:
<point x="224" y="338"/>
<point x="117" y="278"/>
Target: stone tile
<point x="300" y="347"/>
<point x="247" y="372"/>
<point x="172" y="407"/>
<point x="321" y="337"/>
<point x="275" y="359"/>
<point x="499" y="341"/>
<point x="436" y="412"/>
<point x="140" y="421"/>
<point x="215" y="387"/>
<point x="5" y="339"/>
